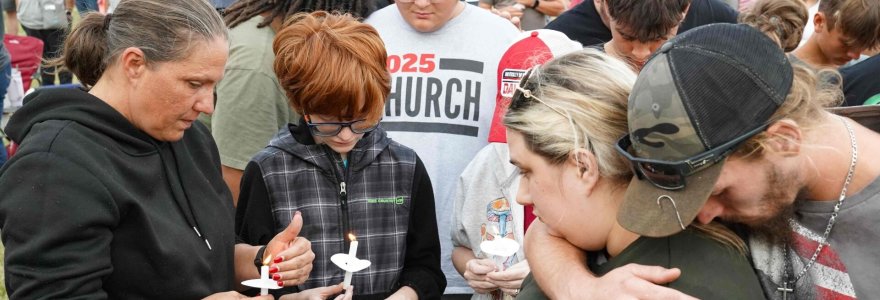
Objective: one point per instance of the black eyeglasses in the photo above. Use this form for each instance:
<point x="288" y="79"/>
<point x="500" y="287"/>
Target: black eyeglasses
<point x="333" y="128"/>
<point x="670" y="175"/>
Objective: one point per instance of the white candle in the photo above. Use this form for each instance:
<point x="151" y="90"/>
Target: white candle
<point x="264" y="283"/>
<point x="352" y="252"/>
<point x="499" y="249"/>
<point x="264" y="275"/>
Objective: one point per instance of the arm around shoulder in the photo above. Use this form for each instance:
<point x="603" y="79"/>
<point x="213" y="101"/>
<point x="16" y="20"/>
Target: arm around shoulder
<point x="557" y="266"/>
<point x="560" y="270"/>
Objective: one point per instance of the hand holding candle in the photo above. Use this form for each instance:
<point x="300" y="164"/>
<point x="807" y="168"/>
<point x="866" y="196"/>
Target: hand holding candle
<point x="264" y="283"/>
<point x="293" y="259"/>
<point x="349" y="262"/>
<point x="500" y="248"/>
<point x="292" y="254"/>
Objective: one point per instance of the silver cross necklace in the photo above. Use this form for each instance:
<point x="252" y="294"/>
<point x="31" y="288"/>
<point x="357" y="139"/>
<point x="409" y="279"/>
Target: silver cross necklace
<point x="785" y="289"/>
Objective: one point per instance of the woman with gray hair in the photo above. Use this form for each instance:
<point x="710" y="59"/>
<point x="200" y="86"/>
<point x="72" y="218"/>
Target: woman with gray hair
<point x="116" y="190"/>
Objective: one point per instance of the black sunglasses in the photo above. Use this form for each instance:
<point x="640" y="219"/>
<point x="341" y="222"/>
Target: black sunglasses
<point x="670" y="175"/>
<point x="333" y="128"/>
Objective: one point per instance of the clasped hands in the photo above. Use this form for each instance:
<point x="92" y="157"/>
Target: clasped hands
<point x="483" y="277"/>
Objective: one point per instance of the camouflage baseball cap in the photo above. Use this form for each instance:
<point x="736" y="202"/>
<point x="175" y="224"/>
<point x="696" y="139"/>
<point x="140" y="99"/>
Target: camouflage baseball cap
<point x="701" y="90"/>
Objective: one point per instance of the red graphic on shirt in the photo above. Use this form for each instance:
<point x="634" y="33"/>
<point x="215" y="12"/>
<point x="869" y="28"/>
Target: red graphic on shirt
<point x="830" y="277"/>
<point x="411" y="63"/>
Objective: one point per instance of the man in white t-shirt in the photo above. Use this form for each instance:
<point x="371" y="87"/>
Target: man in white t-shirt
<point x="442" y="55"/>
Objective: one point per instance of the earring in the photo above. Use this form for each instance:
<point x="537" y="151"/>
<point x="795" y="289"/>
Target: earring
<point x="680" y="223"/>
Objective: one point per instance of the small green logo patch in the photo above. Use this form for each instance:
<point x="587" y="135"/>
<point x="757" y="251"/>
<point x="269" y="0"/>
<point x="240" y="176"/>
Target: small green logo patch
<point x="396" y="200"/>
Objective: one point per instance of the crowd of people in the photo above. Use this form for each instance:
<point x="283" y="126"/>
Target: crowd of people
<point x="629" y="149"/>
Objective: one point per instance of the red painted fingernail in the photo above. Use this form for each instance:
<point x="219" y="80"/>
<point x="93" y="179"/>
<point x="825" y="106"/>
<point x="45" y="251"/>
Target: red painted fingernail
<point x="280" y="283"/>
<point x="276" y="276"/>
<point x="273" y="270"/>
<point x="279" y="259"/>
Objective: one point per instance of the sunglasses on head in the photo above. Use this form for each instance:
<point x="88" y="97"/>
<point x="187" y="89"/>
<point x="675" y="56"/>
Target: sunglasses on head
<point x="670" y="175"/>
<point x="333" y="128"/>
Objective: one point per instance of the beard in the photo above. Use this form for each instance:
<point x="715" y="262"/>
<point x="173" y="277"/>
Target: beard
<point x="777" y="205"/>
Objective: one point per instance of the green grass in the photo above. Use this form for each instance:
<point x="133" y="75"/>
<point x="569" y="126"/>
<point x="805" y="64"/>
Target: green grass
<point x="2" y="279"/>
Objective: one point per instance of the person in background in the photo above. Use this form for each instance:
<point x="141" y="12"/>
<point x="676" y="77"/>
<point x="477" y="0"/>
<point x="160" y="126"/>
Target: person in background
<point x="588" y="23"/>
<point x="251" y="106"/>
<point x="116" y="190"/>
<point x="11" y="16"/>
<point x="85" y="6"/>
<point x="221" y="5"/>
<point x="788" y="17"/>
<point x="638" y="27"/>
<point x="47" y="20"/>
<point x="485" y="205"/>
<point x="339" y="168"/>
<point x="533" y="14"/>
<point x="442" y="56"/>
<point x="843" y="29"/>
<point x="5" y="79"/>
<point x="861" y="85"/>
<point x="809" y="29"/>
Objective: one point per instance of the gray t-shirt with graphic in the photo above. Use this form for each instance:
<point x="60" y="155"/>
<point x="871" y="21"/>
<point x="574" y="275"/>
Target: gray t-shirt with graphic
<point x="847" y="267"/>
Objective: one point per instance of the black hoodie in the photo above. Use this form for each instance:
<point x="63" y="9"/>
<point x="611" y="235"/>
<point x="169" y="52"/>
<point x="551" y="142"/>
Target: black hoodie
<point x="92" y="207"/>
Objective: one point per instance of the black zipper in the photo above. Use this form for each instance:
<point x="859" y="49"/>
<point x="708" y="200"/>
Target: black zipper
<point x="341" y="176"/>
<point x="343" y="200"/>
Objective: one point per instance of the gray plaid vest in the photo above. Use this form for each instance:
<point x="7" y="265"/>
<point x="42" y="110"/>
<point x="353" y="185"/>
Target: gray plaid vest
<point x="379" y="185"/>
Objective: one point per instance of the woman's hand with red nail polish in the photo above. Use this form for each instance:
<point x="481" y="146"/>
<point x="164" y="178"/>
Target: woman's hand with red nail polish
<point x="293" y="254"/>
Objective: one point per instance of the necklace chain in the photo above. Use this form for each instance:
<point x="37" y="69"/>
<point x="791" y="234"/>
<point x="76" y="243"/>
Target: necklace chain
<point x="833" y="218"/>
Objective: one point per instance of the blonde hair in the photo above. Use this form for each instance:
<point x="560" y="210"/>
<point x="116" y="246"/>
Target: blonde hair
<point x="592" y="89"/>
<point x="782" y="20"/>
<point x="811" y="93"/>
<point x="588" y="90"/>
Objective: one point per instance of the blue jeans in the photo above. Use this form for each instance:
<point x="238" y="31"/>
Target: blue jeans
<point x="84" y="6"/>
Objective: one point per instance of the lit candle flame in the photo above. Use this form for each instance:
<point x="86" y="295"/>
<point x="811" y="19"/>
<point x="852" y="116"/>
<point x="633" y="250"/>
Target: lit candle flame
<point x="351" y="237"/>
<point x="267" y="260"/>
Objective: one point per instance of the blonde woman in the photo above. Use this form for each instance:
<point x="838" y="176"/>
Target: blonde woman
<point x="562" y="125"/>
